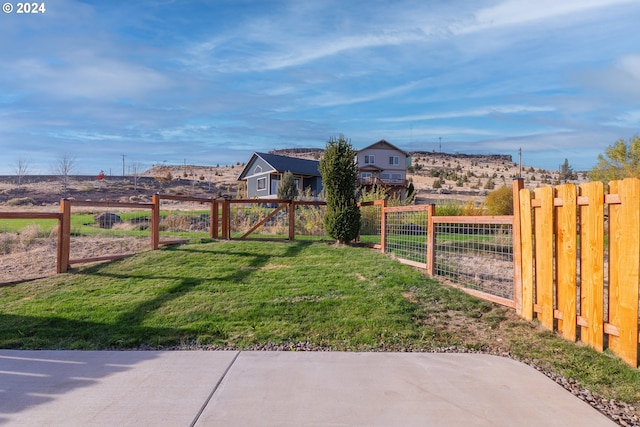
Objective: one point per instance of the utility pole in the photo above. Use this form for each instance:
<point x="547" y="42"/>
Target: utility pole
<point x="520" y="163"/>
<point x="123" y="156"/>
<point x="440" y="144"/>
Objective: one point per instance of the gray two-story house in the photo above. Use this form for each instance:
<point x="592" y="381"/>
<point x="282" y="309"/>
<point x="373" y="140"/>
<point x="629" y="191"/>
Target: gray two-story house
<point x="263" y="173"/>
<point x="382" y="163"/>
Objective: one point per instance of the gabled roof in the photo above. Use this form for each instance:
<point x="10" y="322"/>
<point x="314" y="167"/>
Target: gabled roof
<point x="382" y="144"/>
<point x="281" y="164"/>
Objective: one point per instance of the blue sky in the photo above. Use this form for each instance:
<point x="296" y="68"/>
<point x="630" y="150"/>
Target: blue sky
<point x="209" y="82"/>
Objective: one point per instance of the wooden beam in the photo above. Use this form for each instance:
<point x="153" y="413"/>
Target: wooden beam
<point x="502" y="219"/>
<point x="431" y="240"/>
<point x="30" y="215"/>
<point x="264" y="220"/>
<point x="107" y="204"/>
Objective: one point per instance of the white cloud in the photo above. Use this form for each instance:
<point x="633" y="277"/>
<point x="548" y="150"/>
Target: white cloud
<point x="621" y="79"/>
<point x="518" y="13"/>
<point x="92" y="77"/>
<point x="478" y="112"/>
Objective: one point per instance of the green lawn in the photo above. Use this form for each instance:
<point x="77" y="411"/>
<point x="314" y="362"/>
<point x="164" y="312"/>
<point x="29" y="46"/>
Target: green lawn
<point x="242" y="294"/>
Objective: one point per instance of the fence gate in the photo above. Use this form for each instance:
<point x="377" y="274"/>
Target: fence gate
<point x="270" y="219"/>
<point x="580" y="267"/>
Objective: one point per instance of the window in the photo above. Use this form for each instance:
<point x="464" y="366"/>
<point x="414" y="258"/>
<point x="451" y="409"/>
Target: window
<point x="257" y="170"/>
<point x="394" y="160"/>
<point x="369" y="159"/>
<point x="366" y="175"/>
<point x="384" y="176"/>
<point x="396" y="176"/>
<point x="262" y="183"/>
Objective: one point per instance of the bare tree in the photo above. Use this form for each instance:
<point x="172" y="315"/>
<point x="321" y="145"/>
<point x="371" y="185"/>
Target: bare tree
<point x="135" y="171"/>
<point x="21" y="169"/>
<point x="62" y="168"/>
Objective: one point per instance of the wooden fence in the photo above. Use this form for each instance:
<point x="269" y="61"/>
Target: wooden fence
<point x="579" y="262"/>
<point x="411" y="234"/>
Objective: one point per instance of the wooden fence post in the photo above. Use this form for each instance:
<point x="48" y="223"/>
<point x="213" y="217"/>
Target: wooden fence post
<point x="226" y="219"/>
<point x="64" y="236"/>
<point x="155" y="222"/>
<point x="292" y="219"/>
<point x="213" y="223"/>
<point x="383" y="226"/>
<point x="431" y="240"/>
<point x="517" y="185"/>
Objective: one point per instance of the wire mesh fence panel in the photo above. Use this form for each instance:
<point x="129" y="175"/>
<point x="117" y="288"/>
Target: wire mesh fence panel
<point x="259" y="219"/>
<point x="370" y="216"/>
<point x="28" y="248"/>
<point x="185" y="220"/>
<point x="309" y="222"/>
<point x="476" y="256"/>
<point x="406" y="235"/>
<point x="108" y="231"/>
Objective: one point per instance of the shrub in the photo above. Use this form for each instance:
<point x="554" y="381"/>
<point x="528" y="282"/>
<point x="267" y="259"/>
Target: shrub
<point x="449" y="208"/>
<point x="339" y="175"/>
<point x="490" y="185"/>
<point x="500" y="201"/>
<point x="29" y="235"/>
<point x="287" y="190"/>
<point x="21" y="201"/>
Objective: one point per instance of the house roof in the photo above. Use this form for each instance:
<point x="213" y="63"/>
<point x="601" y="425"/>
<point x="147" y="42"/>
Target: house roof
<point x="384" y="144"/>
<point x="370" y="168"/>
<point x="295" y="165"/>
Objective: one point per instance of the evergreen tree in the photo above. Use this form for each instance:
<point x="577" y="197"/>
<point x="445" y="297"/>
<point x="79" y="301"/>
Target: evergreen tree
<point x="287" y="190"/>
<point x="339" y="176"/>
<point x="566" y="173"/>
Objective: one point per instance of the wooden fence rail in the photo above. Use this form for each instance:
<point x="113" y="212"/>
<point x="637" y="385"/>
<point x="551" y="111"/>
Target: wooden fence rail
<point x="579" y="276"/>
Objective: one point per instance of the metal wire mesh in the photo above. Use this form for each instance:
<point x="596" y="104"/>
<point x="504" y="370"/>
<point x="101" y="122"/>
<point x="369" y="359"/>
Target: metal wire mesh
<point x="106" y="231"/>
<point x="476" y="256"/>
<point x="27" y="249"/>
<point x="179" y="219"/>
<point x="370" y="216"/>
<point x="406" y="235"/>
<point x="309" y="222"/>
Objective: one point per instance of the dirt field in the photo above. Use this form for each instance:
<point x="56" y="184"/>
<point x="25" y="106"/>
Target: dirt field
<point x="37" y="259"/>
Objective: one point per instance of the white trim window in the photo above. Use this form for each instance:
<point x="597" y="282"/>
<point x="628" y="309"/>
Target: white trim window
<point x="369" y="159"/>
<point x="261" y="184"/>
<point x="257" y="170"/>
<point x="394" y="160"/>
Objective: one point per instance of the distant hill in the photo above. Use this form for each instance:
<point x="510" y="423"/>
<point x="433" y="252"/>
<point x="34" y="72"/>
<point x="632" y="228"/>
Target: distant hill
<point x="435" y="176"/>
